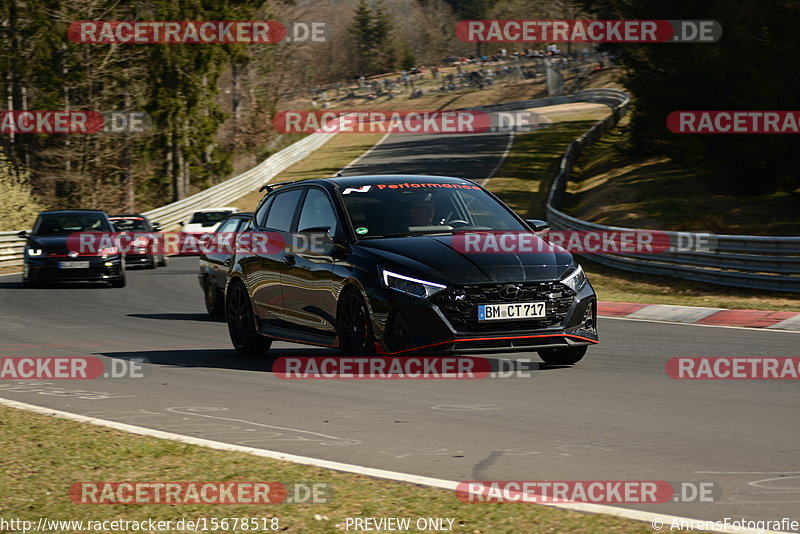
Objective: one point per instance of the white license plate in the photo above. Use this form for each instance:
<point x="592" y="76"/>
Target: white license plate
<point x="511" y="312"/>
<point x="73" y="265"/>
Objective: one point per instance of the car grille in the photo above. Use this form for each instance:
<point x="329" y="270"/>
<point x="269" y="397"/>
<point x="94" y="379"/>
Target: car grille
<point x="460" y="305"/>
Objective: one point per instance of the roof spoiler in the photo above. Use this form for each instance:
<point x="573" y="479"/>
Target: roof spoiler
<point x="270" y="187"/>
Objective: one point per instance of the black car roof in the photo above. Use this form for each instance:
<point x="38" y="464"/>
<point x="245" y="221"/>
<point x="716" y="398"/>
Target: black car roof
<point x="138" y="215"/>
<point x="72" y="211"/>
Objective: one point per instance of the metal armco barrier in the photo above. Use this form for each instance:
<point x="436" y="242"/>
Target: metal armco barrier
<point x="756" y="262"/>
<point x="12" y="248"/>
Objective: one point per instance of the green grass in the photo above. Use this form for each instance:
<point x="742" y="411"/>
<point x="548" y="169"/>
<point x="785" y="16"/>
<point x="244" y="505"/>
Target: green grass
<point x="524" y="178"/>
<point x="43" y="456"/>
<point x="612" y="187"/>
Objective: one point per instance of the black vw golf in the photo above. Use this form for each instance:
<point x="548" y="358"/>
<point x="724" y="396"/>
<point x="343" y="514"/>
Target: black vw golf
<point x="386" y="265"/>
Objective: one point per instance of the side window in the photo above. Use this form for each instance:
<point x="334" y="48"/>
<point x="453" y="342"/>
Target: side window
<point x="282" y="210"/>
<point x="261" y="215"/>
<point x="243" y="224"/>
<point x="228" y="226"/>
<point x="317" y="211"/>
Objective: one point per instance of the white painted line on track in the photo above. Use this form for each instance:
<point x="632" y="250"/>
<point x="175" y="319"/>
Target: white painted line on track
<point x="373" y="147"/>
<point x="637" y="515"/>
<point x="503" y="156"/>
<point x="750" y="328"/>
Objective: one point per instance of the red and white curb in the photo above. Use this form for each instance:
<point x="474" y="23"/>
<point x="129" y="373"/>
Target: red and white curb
<point x="771" y="320"/>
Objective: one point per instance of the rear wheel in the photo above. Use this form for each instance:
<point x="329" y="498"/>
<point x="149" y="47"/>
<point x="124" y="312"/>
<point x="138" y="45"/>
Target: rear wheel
<point x="355" y="327"/>
<point x="215" y="305"/>
<point x="562" y="356"/>
<point x="242" y="323"/>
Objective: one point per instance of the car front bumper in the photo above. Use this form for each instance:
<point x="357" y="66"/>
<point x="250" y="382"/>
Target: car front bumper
<point x="47" y="269"/>
<point x="447" y="323"/>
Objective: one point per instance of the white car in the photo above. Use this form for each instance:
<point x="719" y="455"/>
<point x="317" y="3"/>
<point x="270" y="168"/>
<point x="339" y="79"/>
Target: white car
<point x="206" y="221"/>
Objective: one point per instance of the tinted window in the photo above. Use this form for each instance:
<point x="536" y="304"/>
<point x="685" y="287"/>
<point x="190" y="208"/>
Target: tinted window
<point x="130" y="224"/>
<point x="317" y="211"/>
<point x="282" y="210"/>
<point x="261" y="215"/>
<point x="438" y="207"/>
<point x="208" y="217"/>
<point x="54" y="224"/>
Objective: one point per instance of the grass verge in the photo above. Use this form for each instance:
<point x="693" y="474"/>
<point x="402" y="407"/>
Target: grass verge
<point x="43" y="456"/>
<point x="524" y="180"/>
<point x="612" y="187"/>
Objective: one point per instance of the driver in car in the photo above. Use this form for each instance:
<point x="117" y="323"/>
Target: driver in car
<point x="422" y="211"/>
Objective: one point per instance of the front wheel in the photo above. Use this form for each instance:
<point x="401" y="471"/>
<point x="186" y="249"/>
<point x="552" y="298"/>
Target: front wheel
<point x="242" y="323"/>
<point x="162" y="261"/>
<point x="562" y="356"/>
<point x="355" y="327"/>
<point x="119" y="282"/>
<point x="215" y="305"/>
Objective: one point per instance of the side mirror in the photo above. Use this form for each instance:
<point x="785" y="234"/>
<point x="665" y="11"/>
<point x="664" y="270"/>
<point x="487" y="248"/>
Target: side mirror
<point x="538" y="225"/>
<point x="320" y="240"/>
<point x="22" y="235"/>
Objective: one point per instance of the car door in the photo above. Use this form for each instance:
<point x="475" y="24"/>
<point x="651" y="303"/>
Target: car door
<point x="308" y="281"/>
<point x="217" y="259"/>
<point x="264" y="265"/>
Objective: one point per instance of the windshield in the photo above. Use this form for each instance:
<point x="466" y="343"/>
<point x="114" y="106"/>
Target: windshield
<point x="431" y="208"/>
<point x="55" y="224"/>
<point x="131" y="224"/>
<point x="209" y="217"/>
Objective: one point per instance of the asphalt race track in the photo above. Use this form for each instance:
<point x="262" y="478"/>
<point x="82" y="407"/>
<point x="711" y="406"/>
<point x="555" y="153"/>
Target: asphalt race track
<point x="614" y="416"/>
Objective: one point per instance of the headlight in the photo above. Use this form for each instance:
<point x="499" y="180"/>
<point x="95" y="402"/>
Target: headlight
<point x="575" y="280"/>
<point x="33" y="251"/>
<point x="410" y="286"/>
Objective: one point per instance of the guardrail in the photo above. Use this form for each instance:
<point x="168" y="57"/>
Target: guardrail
<point x="12" y="248"/>
<point x="757" y="262"/>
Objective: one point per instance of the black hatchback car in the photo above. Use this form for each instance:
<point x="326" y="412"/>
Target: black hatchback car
<point x="52" y="253"/>
<point x="146" y="250"/>
<point x="390" y="274"/>
<point x="215" y="261"/>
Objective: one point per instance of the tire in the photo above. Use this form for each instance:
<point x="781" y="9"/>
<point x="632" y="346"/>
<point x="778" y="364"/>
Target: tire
<point x="242" y="324"/>
<point x="27" y="283"/>
<point x="119" y="282"/>
<point x="354" y="325"/>
<point x="562" y="356"/>
<point x="151" y="264"/>
<point x="214" y="298"/>
<point x="162" y="261"/>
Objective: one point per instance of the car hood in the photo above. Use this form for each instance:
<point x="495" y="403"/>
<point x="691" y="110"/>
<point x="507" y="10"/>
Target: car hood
<point x="440" y="259"/>
<point x="50" y="244"/>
